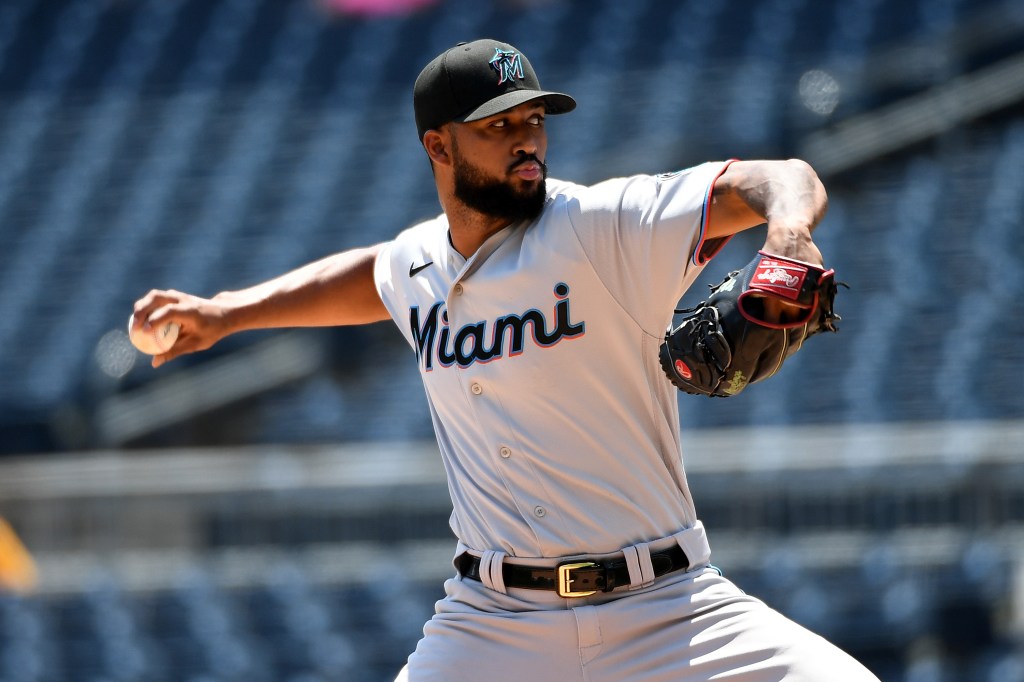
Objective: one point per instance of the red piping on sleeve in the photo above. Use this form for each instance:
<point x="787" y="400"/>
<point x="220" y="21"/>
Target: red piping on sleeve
<point x="706" y="249"/>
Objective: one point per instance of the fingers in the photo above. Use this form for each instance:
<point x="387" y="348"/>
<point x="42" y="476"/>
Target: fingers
<point x="182" y="346"/>
<point x="168" y="312"/>
<point x="194" y="316"/>
<point x="145" y="307"/>
<point x="192" y="337"/>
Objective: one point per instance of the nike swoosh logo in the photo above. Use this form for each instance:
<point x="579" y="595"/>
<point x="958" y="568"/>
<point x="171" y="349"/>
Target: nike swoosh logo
<point x="416" y="269"/>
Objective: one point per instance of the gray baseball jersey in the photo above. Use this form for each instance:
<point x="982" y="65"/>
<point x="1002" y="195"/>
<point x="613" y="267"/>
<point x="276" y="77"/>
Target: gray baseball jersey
<point x="539" y="356"/>
<point x="559" y="433"/>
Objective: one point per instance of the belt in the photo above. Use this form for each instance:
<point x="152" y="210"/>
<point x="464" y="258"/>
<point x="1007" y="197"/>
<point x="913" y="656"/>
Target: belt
<point x="574" y="578"/>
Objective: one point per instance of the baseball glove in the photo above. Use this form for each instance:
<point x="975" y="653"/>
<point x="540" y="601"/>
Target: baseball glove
<point x="726" y="342"/>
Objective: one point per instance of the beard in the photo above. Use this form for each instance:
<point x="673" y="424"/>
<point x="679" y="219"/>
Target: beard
<point x="496" y="198"/>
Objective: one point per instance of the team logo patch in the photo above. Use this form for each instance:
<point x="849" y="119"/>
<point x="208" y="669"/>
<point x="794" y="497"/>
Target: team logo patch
<point x="779" y="277"/>
<point x="508" y="64"/>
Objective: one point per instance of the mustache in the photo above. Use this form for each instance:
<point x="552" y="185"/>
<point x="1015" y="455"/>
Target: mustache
<point x="527" y="158"/>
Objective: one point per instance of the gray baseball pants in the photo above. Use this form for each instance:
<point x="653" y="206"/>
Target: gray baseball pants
<point x="689" y="626"/>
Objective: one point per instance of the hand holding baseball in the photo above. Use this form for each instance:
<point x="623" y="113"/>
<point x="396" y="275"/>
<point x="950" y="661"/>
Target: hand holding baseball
<point x="153" y="340"/>
<point x="167" y="324"/>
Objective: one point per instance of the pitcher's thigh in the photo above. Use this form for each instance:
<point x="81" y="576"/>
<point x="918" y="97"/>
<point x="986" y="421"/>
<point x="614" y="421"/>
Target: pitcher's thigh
<point x="710" y="630"/>
<point x="539" y="646"/>
<point x="761" y="645"/>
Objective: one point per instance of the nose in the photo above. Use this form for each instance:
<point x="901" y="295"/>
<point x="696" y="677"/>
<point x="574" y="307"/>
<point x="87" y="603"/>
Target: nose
<point x="528" y="142"/>
<point x="526" y="145"/>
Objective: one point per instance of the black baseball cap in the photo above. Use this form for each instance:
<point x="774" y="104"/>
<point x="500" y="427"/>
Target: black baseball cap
<point x="475" y="80"/>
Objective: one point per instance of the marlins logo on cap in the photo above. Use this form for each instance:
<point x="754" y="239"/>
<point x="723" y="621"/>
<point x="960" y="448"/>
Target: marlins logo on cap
<point x="508" y="64"/>
<point x="460" y="85"/>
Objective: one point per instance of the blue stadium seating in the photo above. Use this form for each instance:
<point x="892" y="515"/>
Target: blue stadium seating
<point x="207" y="145"/>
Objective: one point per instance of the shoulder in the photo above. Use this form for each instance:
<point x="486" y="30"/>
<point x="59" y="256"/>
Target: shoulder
<point x="604" y="202"/>
<point x="635" y="191"/>
<point x="420" y="240"/>
<point x="576" y="199"/>
<point x="423" y="234"/>
<point x="653" y="213"/>
<point x="417" y="244"/>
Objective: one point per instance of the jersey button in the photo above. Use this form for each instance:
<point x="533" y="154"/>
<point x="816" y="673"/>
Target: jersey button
<point x="458" y="290"/>
<point x="539" y="511"/>
<point x="505" y="452"/>
<point x="477" y="389"/>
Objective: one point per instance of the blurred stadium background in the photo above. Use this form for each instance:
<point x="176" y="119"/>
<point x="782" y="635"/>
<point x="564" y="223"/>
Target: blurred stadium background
<point x="274" y="510"/>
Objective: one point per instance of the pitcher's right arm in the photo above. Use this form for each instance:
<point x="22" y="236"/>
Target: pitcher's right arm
<point x="334" y="291"/>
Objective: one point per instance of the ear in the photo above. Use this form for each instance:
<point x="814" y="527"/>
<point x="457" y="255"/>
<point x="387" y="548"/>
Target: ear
<point x="436" y="143"/>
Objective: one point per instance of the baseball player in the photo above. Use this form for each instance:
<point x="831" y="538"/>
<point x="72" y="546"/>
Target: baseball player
<point x="535" y="309"/>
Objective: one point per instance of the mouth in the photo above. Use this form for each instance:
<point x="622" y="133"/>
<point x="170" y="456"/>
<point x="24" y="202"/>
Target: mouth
<point x="528" y="170"/>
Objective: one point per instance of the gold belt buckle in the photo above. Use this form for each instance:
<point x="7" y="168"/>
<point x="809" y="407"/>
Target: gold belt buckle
<point x="565" y="582"/>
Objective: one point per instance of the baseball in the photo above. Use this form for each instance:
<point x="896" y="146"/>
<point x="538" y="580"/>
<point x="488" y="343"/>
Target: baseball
<point x="155" y="341"/>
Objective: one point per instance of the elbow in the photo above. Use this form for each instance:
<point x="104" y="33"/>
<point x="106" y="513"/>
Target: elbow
<point x="808" y="178"/>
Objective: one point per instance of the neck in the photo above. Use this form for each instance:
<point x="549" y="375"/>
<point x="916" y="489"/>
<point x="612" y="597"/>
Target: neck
<point x="469" y="228"/>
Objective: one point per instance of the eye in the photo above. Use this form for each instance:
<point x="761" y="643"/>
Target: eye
<point x="536" y="120"/>
<point x="498" y="123"/>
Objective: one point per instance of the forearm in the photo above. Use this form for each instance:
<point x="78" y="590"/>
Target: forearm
<point x="787" y="195"/>
<point x="337" y="290"/>
<point x="784" y="191"/>
<point x="750" y="193"/>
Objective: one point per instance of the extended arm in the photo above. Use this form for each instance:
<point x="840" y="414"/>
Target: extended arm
<point x="337" y="290"/>
<point x="786" y="194"/>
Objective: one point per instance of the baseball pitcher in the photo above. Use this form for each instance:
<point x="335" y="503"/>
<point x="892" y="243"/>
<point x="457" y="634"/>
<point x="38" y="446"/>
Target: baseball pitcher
<point x="536" y="311"/>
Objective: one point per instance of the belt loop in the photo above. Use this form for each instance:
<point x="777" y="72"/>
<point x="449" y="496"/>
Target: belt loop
<point x="490" y="570"/>
<point x="638" y="561"/>
<point x="694" y="541"/>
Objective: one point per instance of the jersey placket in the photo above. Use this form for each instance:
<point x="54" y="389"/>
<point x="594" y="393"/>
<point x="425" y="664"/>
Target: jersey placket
<point x="501" y="450"/>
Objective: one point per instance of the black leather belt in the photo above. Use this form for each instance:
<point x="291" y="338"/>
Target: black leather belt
<point x="574" y="578"/>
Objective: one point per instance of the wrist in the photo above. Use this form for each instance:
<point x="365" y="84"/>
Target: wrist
<point x="792" y="240"/>
<point x="232" y="311"/>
